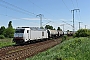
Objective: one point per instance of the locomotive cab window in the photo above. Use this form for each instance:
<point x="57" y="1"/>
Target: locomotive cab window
<point x="19" y="31"/>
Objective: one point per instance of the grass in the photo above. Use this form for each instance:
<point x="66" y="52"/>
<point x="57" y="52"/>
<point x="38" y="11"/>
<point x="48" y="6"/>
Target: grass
<point x="6" y="42"/>
<point x="73" y="49"/>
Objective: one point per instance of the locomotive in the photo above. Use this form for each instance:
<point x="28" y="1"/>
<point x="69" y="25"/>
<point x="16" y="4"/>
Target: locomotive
<point x="27" y="34"/>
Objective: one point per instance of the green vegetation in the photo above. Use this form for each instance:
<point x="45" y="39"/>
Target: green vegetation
<point x="51" y="27"/>
<point x="7" y="32"/>
<point x="6" y="35"/>
<point x="6" y="42"/>
<point x="2" y="36"/>
<point x="73" y="49"/>
<point x="59" y="29"/>
<point x="82" y="33"/>
<point x="64" y="38"/>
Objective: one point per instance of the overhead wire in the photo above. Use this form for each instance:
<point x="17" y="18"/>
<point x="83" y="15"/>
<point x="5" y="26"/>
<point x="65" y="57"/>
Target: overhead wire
<point x="72" y="3"/>
<point x="43" y="10"/>
<point x="24" y="11"/>
<point x="21" y="9"/>
<point x="78" y="7"/>
<point x="66" y="5"/>
<point x="13" y="9"/>
<point x="49" y="13"/>
<point x="79" y="11"/>
<point x="77" y="3"/>
<point x="17" y="7"/>
<point x="15" y="18"/>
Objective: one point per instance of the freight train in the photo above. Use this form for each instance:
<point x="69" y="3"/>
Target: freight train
<point x="28" y="34"/>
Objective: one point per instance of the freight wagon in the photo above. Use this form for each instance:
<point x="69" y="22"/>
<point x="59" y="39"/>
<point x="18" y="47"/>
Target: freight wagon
<point x="52" y="33"/>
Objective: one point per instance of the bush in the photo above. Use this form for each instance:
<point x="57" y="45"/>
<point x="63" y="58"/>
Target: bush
<point x="9" y="32"/>
<point x="82" y="33"/>
<point x="2" y="36"/>
<point x="64" y="38"/>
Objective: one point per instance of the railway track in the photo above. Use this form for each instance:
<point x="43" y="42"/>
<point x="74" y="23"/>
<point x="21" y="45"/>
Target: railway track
<point x="22" y="52"/>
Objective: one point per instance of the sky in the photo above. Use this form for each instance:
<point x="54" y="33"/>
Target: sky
<point x="54" y="13"/>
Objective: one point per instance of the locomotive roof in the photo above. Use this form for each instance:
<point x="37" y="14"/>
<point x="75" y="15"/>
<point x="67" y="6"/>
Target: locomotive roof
<point x="34" y="28"/>
<point x="37" y="28"/>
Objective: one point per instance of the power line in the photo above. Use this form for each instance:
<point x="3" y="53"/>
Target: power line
<point x="16" y="7"/>
<point x="67" y="23"/>
<point x="13" y="9"/>
<point x="15" y="17"/>
<point x="43" y="10"/>
<point x="47" y="23"/>
<point x="46" y="11"/>
<point x="65" y="5"/>
<point x="20" y="9"/>
<point x="24" y="11"/>
<point x="77" y="3"/>
<point x="78" y="7"/>
<point x="72" y="3"/>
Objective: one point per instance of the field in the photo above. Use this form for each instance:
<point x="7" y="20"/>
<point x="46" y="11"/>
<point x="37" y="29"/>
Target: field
<point x="73" y="49"/>
<point x="6" y="42"/>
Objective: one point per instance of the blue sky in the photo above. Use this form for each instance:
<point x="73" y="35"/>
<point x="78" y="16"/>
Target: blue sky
<point x="23" y="13"/>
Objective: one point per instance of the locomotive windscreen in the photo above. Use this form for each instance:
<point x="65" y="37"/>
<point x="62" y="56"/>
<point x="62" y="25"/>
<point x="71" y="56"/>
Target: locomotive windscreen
<point x="19" y="30"/>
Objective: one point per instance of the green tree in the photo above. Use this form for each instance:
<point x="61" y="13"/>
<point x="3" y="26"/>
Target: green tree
<point x="41" y="27"/>
<point x="9" y="32"/>
<point x="67" y="30"/>
<point x="49" y="27"/>
<point x="2" y="30"/>
<point x="59" y="29"/>
<point x="10" y="24"/>
<point x="54" y="29"/>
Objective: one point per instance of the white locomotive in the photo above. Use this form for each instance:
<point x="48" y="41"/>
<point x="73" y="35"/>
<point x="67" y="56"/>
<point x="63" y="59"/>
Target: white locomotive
<point x="26" y="34"/>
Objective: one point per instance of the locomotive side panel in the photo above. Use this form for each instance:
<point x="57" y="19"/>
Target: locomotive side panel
<point x="35" y="35"/>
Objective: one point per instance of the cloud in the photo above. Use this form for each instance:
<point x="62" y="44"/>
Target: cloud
<point x="63" y="19"/>
<point x="29" y="19"/>
<point x="14" y="19"/>
<point x="66" y="19"/>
